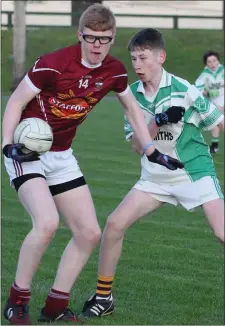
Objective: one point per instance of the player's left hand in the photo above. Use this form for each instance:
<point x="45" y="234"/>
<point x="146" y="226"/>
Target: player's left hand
<point x="165" y="160"/>
<point x="173" y="115"/>
<point x="213" y="93"/>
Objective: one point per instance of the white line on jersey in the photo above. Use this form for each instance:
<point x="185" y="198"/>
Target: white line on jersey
<point x="42" y="69"/>
<point x="119" y="76"/>
<point x="41" y="103"/>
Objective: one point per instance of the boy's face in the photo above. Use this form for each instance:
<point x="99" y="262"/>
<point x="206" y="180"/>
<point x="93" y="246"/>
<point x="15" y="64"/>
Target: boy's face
<point x="212" y="62"/>
<point x="94" y="50"/>
<point x="147" y="63"/>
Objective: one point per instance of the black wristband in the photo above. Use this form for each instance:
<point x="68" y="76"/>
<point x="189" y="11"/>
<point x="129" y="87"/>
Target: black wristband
<point x="5" y="150"/>
<point x="153" y="156"/>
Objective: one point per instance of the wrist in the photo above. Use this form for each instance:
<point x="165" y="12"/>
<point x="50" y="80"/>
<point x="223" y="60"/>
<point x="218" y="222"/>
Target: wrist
<point x="6" y="142"/>
<point x="150" y="150"/>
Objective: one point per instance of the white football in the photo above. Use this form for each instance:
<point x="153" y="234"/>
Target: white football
<point x="35" y="134"/>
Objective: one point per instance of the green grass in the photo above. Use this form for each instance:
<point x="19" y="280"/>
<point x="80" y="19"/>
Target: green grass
<point x="171" y="271"/>
<point x="185" y="49"/>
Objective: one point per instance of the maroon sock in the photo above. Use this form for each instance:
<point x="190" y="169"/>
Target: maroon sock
<point x="18" y="295"/>
<point x="56" y="302"/>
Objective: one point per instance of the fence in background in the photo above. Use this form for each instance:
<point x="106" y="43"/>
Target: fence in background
<point x="53" y="19"/>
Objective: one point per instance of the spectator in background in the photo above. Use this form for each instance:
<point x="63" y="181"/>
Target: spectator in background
<point x="211" y="84"/>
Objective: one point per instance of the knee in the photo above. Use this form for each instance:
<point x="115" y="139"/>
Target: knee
<point x="91" y="236"/>
<point x="114" y="229"/>
<point x="47" y="230"/>
<point x="219" y="233"/>
<point x="218" y="228"/>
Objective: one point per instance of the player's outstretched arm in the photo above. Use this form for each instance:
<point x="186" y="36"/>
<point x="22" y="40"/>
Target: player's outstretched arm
<point x="137" y="122"/>
<point x="19" y="98"/>
<point x="208" y="115"/>
<point x="172" y="115"/>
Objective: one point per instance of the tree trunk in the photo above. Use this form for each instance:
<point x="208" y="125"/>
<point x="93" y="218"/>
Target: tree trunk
<point x="19" y="42"/>
<point x="78" y="7"/>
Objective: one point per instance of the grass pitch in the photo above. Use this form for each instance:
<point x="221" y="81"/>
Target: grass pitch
<point x="171" y="271"/>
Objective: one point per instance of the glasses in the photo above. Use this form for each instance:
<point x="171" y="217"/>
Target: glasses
<point x="92" y="39"/>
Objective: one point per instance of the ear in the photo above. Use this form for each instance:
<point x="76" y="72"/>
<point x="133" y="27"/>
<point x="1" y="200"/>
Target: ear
<point x="162" y="57"/>
<point x="79" y="36"/>
<point x="113" y="40"/>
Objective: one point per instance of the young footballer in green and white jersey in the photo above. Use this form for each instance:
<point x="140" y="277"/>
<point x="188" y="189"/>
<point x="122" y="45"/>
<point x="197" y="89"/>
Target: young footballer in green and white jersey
<point x="183" y="140"/>
<point x="195" y="185"/>
<point x="211" y="84"/>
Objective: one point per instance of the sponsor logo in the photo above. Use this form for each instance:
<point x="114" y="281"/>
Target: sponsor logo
<point x="216" y="86"/>
<point x="163" y="135"/>
<point x="151" y="106"/>
<point x="69" y="106"/>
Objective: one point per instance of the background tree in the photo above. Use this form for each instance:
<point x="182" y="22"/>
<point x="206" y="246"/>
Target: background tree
<point x="19" y="42"/>
<point x="78" y="7"/>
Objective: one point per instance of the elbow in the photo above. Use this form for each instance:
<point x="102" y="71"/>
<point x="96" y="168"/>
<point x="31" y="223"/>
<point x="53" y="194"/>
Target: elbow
<point x="137" y="149"/>
<point x="134" y="148"/>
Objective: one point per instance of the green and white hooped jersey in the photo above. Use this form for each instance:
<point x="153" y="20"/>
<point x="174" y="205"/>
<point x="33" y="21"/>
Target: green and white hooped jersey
<point x="213" y="83"/>
<point x="183" y="140"/>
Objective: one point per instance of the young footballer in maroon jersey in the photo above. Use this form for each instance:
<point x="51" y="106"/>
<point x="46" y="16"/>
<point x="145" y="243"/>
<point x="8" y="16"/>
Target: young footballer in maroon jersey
<point x="62" y="88"/>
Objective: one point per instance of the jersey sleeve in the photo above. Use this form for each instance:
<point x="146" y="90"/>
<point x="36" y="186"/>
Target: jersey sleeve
<point x="120" y="76"/>
<point x="127" y="129"/>
<point x="42" y="74"/>
<point x="200" y="82"/>
<point x="202" y="113"/>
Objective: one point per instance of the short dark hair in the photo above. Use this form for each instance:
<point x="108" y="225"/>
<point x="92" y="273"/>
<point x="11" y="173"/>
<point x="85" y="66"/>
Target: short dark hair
<point x="209" y="54"/>
<point x="148" y="38"/>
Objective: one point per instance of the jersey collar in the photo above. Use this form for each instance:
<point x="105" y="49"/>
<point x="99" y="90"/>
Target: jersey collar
<point x="213" y="71"/>
<point x="165" y="81"/>
<point x="87" y="65"/>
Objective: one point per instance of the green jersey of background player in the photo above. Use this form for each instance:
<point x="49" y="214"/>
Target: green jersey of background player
<point x="195" y="185"/>
<point x="211" y="84"/>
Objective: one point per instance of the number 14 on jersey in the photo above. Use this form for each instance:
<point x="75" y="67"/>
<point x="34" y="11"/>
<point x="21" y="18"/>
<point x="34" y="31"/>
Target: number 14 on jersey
<point x="83" y="83"/>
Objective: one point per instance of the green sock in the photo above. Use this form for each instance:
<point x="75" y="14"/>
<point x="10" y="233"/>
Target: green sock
<point x="215" y="140"/>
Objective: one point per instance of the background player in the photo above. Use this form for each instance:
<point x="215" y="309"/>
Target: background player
<point x="211" y="84"/>
<point x="62" y="88"/>
<point x="195" y="185"/>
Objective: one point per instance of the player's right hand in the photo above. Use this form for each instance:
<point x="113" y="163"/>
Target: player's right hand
<point x="15" y="152"/>
<point x="165" y="160"/>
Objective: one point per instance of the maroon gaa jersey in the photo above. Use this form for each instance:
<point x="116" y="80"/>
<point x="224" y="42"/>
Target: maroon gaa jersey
<point x="69" y="89"/>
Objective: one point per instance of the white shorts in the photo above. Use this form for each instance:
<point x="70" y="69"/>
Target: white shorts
<point x="56" y="167"/>
<point x="189" y="195"/>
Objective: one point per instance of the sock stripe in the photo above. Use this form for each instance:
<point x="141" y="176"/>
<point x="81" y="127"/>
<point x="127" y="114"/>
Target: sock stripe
<point x="103" y="292"/>
<point x="58" y="296"/>
<point x="104" y="282"/>
<point x="59" y="292"/>
<point x="105" y="278"/>
<point x="16" y="287"/>
<point x="100" y="288"/>
<point x="104" y="285"/>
